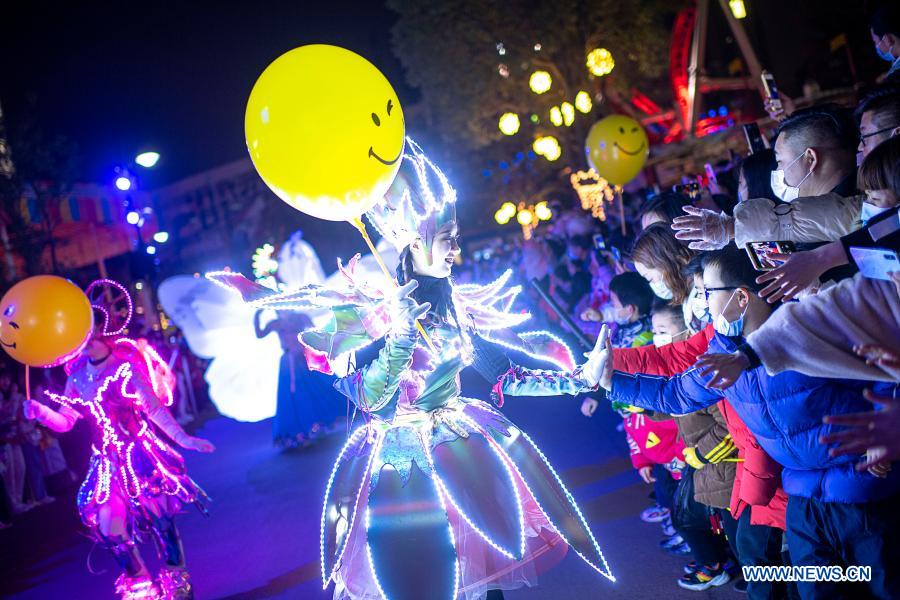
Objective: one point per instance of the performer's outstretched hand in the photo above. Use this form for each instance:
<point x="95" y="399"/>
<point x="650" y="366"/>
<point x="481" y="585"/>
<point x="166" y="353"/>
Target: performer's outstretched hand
<point x="198" y="444"/>
<point x="31" y="409"/>
<point x="598" y="368"/>
<point x="408" y="310"/>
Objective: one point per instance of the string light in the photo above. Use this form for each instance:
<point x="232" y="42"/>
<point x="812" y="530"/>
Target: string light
<point x="568" y="113"/>
<point x="556" y="116"/>
<point x="600" y="62"/>
<point x="509" y="123"/>
<point x="583" y="102"/>
<point x="594" y="191"/>
<point x="548" y="147"/>
<point x="540" y="82"/>
<point x="506" y="212"/>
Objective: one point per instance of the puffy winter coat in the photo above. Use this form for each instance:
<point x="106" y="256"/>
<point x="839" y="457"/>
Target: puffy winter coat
<point x="654" y="443"/>
<point x="811" y="219"/>
<point x="785" y="413"/>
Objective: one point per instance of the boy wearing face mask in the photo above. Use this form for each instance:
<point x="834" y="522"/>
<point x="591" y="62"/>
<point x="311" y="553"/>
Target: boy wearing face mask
<point x="835" y="514"/>
<point x="631" y="299"/>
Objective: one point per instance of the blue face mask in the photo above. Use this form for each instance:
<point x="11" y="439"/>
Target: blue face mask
<point x="730" y="328"/>
<point x="884" y="54"/>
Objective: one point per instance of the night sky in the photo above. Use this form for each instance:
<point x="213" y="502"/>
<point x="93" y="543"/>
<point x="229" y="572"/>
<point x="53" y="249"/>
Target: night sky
<point x="175" y="76"/>
<point x="168" y="76"/>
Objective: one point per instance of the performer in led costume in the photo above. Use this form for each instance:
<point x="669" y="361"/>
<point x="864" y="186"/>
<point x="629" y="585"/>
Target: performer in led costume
<point x="136" y="481"/>
<point x="435" y="496"/>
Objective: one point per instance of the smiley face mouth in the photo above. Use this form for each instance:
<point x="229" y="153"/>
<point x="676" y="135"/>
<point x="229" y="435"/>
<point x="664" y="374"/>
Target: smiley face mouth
<point x="641" y="147"/>
<point x="383" y="161"/>
<point x="13" y="345"/>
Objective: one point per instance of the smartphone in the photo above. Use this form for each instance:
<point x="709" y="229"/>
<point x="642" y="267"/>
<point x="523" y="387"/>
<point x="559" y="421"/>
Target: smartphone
<point x="757" y="253"/>
<point x="691" y="190"/>
<point x="769" y="86"/>
<point x="710" y="173"/>
<point x="599" y="241"/>
<point x="875" y="263"/>
<point x="754" y="138"/>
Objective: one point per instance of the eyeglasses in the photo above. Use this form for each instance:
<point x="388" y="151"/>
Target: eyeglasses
<point x="863" y="136"/>
<point x="718" y="289"/>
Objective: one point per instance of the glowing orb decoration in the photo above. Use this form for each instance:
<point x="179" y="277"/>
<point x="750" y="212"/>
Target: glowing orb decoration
<point x="556" y="116"/>
<point x="583" y="102"/>
<point x="509" y="123"/>
<point x="540" y="82"/>
<point x="548" y="147"/>
<point x="600" y="62"/>
<point x="568" y="113"/>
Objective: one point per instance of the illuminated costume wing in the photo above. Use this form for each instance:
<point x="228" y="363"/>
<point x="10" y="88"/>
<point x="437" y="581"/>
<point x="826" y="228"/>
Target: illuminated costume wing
<point x="243" y="374"/>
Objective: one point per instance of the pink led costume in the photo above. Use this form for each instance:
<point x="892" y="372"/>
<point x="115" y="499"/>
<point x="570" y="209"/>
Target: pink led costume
<point x="136" y="481"/>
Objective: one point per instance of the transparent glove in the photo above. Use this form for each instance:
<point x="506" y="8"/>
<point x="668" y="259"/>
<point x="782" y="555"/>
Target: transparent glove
<point x="708" y="229"/>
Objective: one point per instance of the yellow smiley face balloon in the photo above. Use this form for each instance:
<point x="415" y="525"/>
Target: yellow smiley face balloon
<point x="45" y="320"/>
<point x="325" y="131"/>
<point x="617" y="148"/>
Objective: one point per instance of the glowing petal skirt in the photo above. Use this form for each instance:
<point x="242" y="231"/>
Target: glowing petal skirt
<point x="143" y="469"/>
<point x="446" y="504"/>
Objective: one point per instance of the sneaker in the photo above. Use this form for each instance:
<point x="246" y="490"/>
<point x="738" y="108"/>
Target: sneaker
<point x="740" y="586"/>
<point x="137" y="588"/>
<point x="671" y="542"/>
<point x="175" y="583"/>
<point x="655" y="514"/>
<point x="705" y="578"/>
<point x="691" y="567"/>
<point x="680" y="550"/>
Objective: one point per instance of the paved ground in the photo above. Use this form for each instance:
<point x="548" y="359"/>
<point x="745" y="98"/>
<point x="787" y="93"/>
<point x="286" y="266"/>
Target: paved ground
<point x="261" y="539"/>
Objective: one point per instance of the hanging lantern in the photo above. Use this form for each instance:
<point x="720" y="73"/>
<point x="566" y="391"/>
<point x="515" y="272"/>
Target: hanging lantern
<point x="600" y="62"/>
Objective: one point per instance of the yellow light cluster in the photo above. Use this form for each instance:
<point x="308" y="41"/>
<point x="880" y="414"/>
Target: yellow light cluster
<point x="600" y="62"/>
<point x="737" y="8"/>
<point x="540" y="82"/>
<point x="593" y="191"/>
<point x="548" y="147"/>
<point x="509" y="123"/>
<point x="506" y="212"/>
<point x="556" y="116"/>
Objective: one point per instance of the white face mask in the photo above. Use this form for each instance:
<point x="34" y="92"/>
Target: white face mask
<point x="787" y="193"/>
<point x="869" y="210"/>
<point x="664" y="339"/>
<point x="661" y="289"/>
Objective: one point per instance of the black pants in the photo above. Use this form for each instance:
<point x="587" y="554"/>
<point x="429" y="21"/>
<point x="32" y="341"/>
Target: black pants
<point x="832" y="533"/>
<point x="664" y="486"/>
<point x="692" y="521"/>
<point x="759" y="545"/>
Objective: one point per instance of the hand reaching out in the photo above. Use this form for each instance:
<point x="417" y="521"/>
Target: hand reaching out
<point x="598" y="368"/>
<point x="872" y="433"/>
<point x="878" y="355"/>
<point x="408" y="310"/>
<point x="709" y="230"/>
<point x="724" y="369"/>
<point x="31" y="409"/>
<point x="797" y="272"/>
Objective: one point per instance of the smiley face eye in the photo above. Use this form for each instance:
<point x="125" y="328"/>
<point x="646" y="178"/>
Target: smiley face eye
<point x="376" y="120"/>
<point x="633" y="129"/>
<point x="8" y="310"/>
<point x="390" y="105"/>
<point x="13" y="324"/>
<point x="621" y="130"/>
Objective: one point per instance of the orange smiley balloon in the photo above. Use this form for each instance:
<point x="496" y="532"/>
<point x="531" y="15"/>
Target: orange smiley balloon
<point x="44" y="321"/>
